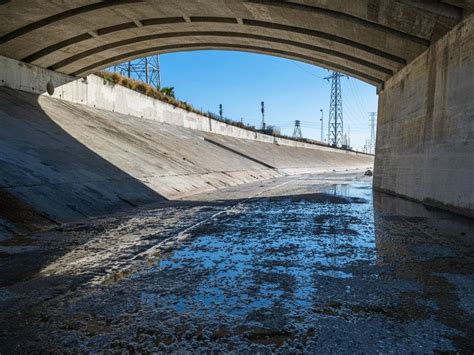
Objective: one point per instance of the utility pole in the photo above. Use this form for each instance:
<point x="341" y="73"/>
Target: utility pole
<point x="335" y="123"/>
<point x="220" y="110"/>
<point x="322" y="124"/>
<point x="349" y="137"/>
<point x="372" y="119"/>
<point x="263" y="116"/>
<point x="297" y="130"/>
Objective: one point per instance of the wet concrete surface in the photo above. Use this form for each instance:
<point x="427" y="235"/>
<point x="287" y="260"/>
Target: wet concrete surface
<point x="302" y="264"/>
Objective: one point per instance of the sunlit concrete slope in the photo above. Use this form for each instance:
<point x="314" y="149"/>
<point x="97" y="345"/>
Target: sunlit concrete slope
<point x="293" y="160"/>
<point x="73" y="161"/>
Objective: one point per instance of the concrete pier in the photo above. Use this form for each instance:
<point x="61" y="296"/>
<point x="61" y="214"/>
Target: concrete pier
<point x="425" y="132"/>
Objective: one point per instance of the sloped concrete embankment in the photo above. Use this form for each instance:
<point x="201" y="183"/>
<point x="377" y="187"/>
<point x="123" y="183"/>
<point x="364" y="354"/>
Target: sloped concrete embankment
<point x="70" y="161"/>
<point x="294" y="160"/>
<point x="93" y="148"/>
<point x="74" y="162"/>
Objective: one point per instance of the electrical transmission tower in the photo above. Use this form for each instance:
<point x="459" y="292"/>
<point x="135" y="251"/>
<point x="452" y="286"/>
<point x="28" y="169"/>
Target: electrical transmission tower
<point x="335" y="124"/>
<point x="297" y="130"/>
<point x="372" y="118"/>
<point x="144" y="69"/>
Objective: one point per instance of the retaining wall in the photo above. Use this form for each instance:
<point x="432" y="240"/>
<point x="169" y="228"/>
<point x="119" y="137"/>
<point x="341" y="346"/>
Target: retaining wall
<point x="93" y="91"/>
<point x="425" y="132"/>
<point x="93" y="149"/>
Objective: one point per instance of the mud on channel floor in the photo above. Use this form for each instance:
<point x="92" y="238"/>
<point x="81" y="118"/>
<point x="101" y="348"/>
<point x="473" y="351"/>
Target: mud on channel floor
<point x="301" y="264"/>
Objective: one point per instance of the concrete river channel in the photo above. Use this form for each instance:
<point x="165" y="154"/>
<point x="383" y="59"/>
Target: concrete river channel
<point x="305" y="264"/>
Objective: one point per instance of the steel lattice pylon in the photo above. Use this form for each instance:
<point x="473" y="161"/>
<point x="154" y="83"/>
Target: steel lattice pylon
<point x="297" y="130"/>
<point x="144" y="69"/>
<point x="336" y="120"/>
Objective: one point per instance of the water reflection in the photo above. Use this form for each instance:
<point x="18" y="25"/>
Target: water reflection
<point x="290" y="263"/>
<point x="269" y="252"/>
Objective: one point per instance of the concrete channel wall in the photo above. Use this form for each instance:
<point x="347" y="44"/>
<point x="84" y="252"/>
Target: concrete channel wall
<point x="93" y="91"/>
<point x="71" y="156"/>
<point x="425" y="136"/>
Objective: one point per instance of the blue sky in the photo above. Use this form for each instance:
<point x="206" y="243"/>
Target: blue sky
<point x="291" y="90"/>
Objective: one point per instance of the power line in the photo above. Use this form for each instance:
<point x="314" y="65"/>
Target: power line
<point x="307" y="71"/>
<point x="359" y="112"/>
<point x="358" y="104"/>
<point x="354" y="114"/>
<point x="358" y="91"/>
<point x="355" y="94"/>
<point x="357" y="97"/>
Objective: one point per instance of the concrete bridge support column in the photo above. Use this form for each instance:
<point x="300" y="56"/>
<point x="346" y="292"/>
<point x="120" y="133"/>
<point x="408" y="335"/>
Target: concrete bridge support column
<point x="425" y="138"/>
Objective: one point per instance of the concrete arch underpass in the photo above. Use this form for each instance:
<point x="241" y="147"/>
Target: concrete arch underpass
<point x="414" y="52"/>
<point x="134" y="222"/>
<point x="360" y="40"/>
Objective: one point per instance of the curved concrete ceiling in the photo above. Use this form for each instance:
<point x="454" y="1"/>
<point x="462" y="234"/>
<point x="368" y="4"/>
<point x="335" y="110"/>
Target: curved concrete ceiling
<point x="368" y="39"/>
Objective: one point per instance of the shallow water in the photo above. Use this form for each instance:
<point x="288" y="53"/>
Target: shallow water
<point x="269" y="251"/>
<point x="327" y="272"/>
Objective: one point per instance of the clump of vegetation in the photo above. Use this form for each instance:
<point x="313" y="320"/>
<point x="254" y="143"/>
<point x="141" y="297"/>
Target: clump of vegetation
<point x="169" y="91"/>
<point x="129" y="83"/>
<point x="116" y="78"/>
<point x="166" y="94"/>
